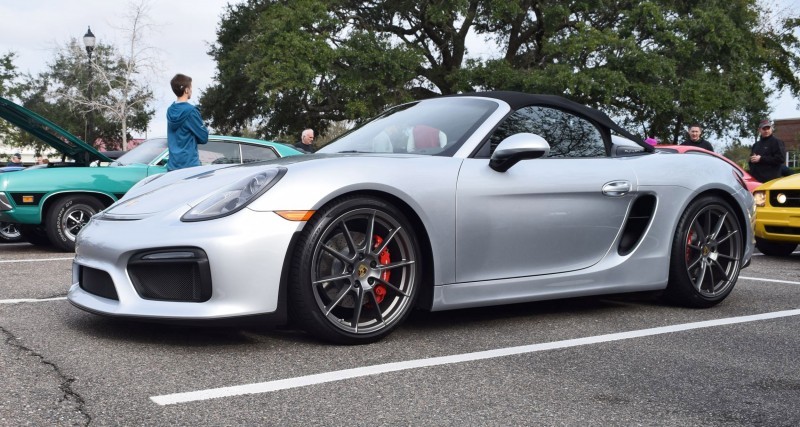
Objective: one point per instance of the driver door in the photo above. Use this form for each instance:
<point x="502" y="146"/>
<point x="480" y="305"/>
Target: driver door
<point x="542" y="216"/>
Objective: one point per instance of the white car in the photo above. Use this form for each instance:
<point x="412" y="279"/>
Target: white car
<point x="480" y="199"/>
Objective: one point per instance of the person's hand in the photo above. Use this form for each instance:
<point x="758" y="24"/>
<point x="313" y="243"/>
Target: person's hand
<point x="755" y="158"/>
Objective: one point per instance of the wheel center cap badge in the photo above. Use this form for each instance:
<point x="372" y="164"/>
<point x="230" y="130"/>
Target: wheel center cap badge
<point x="706" y="250"/>
<point x="362" y="270"/>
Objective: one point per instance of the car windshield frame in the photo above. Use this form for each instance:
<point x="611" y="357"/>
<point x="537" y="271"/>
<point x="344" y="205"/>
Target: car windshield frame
<point x="144" y="153"/>
<point x="444" y="123"/>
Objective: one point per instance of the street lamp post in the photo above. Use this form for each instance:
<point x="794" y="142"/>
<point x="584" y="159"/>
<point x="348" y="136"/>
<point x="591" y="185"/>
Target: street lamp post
<point x="88" y="41"/>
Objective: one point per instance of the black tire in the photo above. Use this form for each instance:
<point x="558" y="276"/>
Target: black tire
<point x="772" y="248"/>
<point x="34" y="234"/>
<point x="356" y="272"/>
<point x="706" y="254"/>
<point x="9" y="233"/>
<point x="67" y="216"/>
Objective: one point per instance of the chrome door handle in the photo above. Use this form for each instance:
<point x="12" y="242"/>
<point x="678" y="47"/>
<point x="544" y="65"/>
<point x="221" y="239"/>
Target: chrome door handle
<point x="616" y="188"/>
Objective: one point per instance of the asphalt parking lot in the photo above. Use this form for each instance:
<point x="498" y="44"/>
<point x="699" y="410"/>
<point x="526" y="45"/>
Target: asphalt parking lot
<point x="621" y="360"/>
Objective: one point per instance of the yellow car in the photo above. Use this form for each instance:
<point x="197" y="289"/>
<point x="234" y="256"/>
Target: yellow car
<point x="778" y="216"/>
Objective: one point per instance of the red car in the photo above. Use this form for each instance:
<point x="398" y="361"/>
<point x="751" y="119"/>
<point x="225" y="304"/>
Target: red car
<point x="748" y="179"/>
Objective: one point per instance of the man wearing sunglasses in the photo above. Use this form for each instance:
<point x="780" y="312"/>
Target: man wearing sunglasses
<point x="767" y="155"/>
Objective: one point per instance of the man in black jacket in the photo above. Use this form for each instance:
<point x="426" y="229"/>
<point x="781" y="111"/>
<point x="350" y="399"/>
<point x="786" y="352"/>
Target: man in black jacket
<point x="767" y="155"/>
<point x="306" y="143"/>
<point x="16" y="160"/>
<point x="695" y="139"/>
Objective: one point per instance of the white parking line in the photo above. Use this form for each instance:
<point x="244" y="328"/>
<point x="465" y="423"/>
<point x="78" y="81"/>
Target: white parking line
<point x="17" y="301"/>
<point x="325" y="377"/>
<point x="34" y="260"/>
<point x="769" y="280"/>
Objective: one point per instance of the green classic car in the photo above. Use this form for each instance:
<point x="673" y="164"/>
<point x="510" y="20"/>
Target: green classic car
<point x="49" y="206"/>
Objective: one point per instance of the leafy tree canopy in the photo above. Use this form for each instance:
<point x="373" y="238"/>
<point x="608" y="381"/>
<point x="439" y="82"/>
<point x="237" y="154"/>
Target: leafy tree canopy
<point x="8" y="76"/>
<point x="9" y="89"/>
<point x="60" y="92"/>
<point x="656" y="65"/>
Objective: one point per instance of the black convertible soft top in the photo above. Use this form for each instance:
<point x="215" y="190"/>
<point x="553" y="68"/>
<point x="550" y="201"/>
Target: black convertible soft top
<point x="519" y="100"/>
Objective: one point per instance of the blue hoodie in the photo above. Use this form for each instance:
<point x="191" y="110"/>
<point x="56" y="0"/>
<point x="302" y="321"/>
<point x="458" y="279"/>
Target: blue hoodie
<point x="185" y="129"/>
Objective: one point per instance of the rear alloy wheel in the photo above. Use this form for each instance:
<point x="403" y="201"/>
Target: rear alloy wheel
<point x="706" y="254"/>
<point x="772" y="248"/>
<point x="67" y="217"/>
<point x="357" y="271"/>
<point x="9" y="233"/>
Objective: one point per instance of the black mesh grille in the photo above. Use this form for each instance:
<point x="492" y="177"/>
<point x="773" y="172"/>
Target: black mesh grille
<point x="180" y="279"/>
<point x="792" y="198"/>
<point x="97" y="282"/>
<point x="782" y="230"/>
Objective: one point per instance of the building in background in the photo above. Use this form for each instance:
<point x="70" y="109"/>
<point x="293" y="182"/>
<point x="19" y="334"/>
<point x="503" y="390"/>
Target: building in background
<point x="28" y="154"/>
<point x="788" y="131"/>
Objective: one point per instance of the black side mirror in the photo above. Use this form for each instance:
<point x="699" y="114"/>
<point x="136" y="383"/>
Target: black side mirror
<point x="521" y="146"/>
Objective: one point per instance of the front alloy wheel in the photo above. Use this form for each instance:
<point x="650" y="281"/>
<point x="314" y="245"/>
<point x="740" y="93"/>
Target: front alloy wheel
<point x="706" y="254"/>
<point x="358" y="271"/>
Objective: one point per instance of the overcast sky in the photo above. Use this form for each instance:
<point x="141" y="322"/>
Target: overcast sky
<point x="183" y="31"/>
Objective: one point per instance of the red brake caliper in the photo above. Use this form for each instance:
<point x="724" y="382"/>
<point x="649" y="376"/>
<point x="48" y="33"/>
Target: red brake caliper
<point x="688" y="249"/>
<point x="385" y="258"/>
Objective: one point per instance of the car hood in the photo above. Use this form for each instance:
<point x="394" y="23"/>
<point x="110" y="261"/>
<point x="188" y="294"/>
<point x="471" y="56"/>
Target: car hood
<point x="53" y="135"/>
<point x="188" y="187"/>
<point x="791" y="182"/>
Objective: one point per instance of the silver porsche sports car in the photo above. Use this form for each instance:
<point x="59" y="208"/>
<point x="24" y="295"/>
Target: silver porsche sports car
<point x="458" y="201"/>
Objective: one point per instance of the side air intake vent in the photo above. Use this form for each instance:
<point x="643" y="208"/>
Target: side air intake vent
<point x="638" y="219"/>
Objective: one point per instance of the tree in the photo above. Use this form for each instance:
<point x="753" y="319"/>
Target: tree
<point x="123" y="96"/>
<point x="8" y="76"/>
<point x="738" y="152"/>
<point x="287" y="67"/>
<point x="60" y="94"/>
<point x="656" y="65"/>
<point x="8" y="89"/>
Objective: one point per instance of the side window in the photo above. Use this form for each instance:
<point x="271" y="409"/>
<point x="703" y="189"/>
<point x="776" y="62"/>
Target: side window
<point x="257" y="153"/>
<point x="219" y="152"/>
<point x="567" y="134"/>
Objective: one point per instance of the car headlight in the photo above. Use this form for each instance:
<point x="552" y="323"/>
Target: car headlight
<point x="233" y="198"/>
<point x="760" y="198"/>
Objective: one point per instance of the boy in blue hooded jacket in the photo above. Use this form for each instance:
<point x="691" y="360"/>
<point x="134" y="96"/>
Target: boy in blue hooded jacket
<point x="185" y="128"/>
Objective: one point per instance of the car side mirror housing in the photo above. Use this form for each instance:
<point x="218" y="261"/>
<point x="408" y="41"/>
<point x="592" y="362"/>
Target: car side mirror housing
<point x="521" y="146"/>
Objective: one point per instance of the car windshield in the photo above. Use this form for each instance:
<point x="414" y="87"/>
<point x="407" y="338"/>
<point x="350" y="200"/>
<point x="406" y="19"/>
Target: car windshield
<point x="435" y="127"/>
<point x="144" y="153"/>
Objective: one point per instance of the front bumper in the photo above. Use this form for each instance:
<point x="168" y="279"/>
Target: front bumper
<point x="778" y="224"/>
<point x="244" y="254"/>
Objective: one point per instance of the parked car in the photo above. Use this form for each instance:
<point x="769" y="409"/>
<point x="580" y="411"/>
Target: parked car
<point x="751" y="182"/>
<point x="50" y="205"/>
<point x="778" y="216"/>
<point x="451" y="202"/>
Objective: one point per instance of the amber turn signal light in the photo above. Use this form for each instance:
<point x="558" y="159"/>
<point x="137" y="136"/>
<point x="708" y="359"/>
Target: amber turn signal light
<point x="296" y="215"/>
